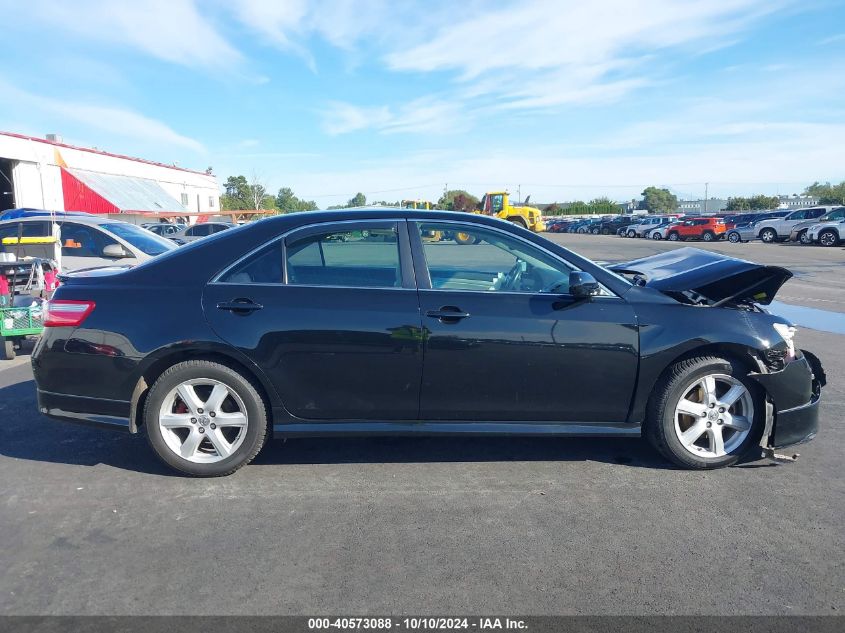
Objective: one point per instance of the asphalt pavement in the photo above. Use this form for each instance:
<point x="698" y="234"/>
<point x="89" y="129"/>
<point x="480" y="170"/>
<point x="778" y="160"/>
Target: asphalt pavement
<point x="91" y="523"/>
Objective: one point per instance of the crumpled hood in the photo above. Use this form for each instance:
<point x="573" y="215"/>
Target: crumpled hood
<point x="712" y="275"/>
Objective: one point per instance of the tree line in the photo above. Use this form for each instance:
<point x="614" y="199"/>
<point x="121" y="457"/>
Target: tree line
<point x="242" y="194"/>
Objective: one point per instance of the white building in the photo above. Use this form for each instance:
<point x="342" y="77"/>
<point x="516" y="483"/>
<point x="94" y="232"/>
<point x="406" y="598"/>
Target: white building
<point x="49" y="174"/>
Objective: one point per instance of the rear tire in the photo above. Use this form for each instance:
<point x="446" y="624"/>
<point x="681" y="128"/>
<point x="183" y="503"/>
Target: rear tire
<point x="205" y="442"/>
<point x="705" y="413"/>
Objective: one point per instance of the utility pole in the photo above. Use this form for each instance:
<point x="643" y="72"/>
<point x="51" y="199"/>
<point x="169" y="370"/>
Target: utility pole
<point x="706" y="189"/>
<point x="519" y="194"/>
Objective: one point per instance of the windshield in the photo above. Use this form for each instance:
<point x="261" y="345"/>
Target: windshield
<point x="142" y="239"/>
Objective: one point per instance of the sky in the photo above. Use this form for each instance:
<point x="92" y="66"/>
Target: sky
<point x="560" y="99"/>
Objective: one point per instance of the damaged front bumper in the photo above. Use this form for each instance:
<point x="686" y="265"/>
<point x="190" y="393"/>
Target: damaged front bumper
<point x="794" y="392"/>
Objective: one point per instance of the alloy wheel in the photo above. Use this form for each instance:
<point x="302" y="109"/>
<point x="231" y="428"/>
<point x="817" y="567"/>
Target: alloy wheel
<point x="203" y="420"/>
<point x="804" y="238"/>
<point x="714" y="415"/>
<point x="733" y="238"/>
<point x="768" y="236"/>
<point x="828" y="238"/>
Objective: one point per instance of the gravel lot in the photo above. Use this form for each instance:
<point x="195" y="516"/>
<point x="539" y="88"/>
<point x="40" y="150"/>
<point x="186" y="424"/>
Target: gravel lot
<point x="92" y="524"/>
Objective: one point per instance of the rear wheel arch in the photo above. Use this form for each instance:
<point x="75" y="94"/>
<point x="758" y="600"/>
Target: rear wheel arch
<point x="161" y="364"/>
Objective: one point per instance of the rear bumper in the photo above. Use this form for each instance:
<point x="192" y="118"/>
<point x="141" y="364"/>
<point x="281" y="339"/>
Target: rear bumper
<point x="795" y="392"/>
<point x="99" y="412"/>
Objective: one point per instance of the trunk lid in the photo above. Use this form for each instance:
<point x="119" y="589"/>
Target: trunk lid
<point x="719" y="278"/>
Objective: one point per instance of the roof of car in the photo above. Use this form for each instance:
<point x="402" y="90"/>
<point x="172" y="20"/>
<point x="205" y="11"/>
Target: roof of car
<point x="60" y="219"/>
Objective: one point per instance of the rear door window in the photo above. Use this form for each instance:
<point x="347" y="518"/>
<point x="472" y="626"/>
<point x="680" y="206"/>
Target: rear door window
<point x="364" y="257"/>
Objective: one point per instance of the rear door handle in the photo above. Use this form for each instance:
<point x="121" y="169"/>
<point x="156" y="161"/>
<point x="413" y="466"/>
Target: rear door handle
<point x="239" y="306"/>
<point x="448" y="314"/>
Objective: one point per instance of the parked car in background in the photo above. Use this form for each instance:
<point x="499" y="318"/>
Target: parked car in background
<point x="772" y="230"/>
<point x="89" y="241"/>
<point x="584" y="226"/>
<point x="799" y="231"/>
<point x="279" y="328"/>
<point x="559" y="226"/>
<point x="827" y="233"/>
<point x="201" y="230"/>
<point x="742" y="231"/>
<point x="705" y="229"/>
<point x="646" y="224"/>
<point x="164" y="229"/>
<point x="611" y="226"/>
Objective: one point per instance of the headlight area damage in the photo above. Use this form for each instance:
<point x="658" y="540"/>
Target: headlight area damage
<point x="791" y="378"/>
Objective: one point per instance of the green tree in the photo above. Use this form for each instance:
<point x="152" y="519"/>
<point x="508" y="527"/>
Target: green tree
<point x="827" y="193"/>
<point x="659" y="200"/>
<point x="358" y="201"/>
<point x="579" y="207"/>
<point x="237" y="194"/>
<point x="603" y="205"/>
<point x="457" y="200"/>
<point x="754" y="203"/>
<point x="287" y="202"/>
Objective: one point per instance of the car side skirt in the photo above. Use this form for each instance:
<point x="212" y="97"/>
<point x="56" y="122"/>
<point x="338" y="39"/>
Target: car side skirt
<point x="358" y="427"/>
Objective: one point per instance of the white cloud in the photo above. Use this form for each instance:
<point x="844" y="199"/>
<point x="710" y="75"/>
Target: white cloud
<point x="171" y="30"/>
<point x="118" y="121"/>
<point x="549" y="53"/>
<point x="418" y="116"/>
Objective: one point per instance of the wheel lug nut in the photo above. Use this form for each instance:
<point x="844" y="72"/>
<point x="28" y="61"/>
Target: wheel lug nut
<point x="213" y="426"/>
<point x="202" y="430"/>
<point x="213" y="414"/>
<point x="721" y="421"/>
<point x="721" y="409"/>
<point x="704" y="414"/>
<point x="711" y="406"/>
<point x="193" y="420"/>
<point x="709" y="424"/>
<point x="200" y="410"/>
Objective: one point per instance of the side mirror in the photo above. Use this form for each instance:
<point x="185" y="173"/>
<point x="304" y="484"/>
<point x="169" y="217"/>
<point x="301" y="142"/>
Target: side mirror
<point x="116" y="251"/>
<point x="583" y="285"/>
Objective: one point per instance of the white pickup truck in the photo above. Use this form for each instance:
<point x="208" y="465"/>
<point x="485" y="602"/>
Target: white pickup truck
<point x="776" y="229"/>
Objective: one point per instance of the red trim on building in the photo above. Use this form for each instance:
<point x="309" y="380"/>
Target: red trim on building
<point x="80" y="197"/>
<point x="101" y="152"/>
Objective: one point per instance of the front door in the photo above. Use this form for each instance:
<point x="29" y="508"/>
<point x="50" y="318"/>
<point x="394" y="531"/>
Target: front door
<point x="330" y="314"/>
<point x="506" y="342"/>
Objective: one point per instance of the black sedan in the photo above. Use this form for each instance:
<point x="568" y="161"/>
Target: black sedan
<point x="363" y="322"/>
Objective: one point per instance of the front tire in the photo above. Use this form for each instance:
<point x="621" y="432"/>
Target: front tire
<point x="804" y="238"/>
<point x="828" y="237"/>
<point x="705" y="413"/>
<point x="656" y="236"/>
<point x="734" y="238"/>
<point x="769" y="236"/>
<point x="673" y="237"/>
<point x="205" y="419"/>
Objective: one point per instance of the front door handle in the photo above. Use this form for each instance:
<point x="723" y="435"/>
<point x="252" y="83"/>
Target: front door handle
<point x="239" y="306"/>
<point x="448" y="314"/>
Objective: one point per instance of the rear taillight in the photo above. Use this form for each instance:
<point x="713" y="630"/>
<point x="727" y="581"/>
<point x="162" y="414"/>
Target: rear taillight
<point x="66" y="313"/>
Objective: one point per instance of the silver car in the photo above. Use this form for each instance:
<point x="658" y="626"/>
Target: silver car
<point x="90" y="242"/>
<point x="200" y="230"/>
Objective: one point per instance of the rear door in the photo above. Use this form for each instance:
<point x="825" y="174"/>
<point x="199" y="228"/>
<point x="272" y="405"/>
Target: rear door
<point x="504" y="341"/>
<point x="330" y="314"/>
